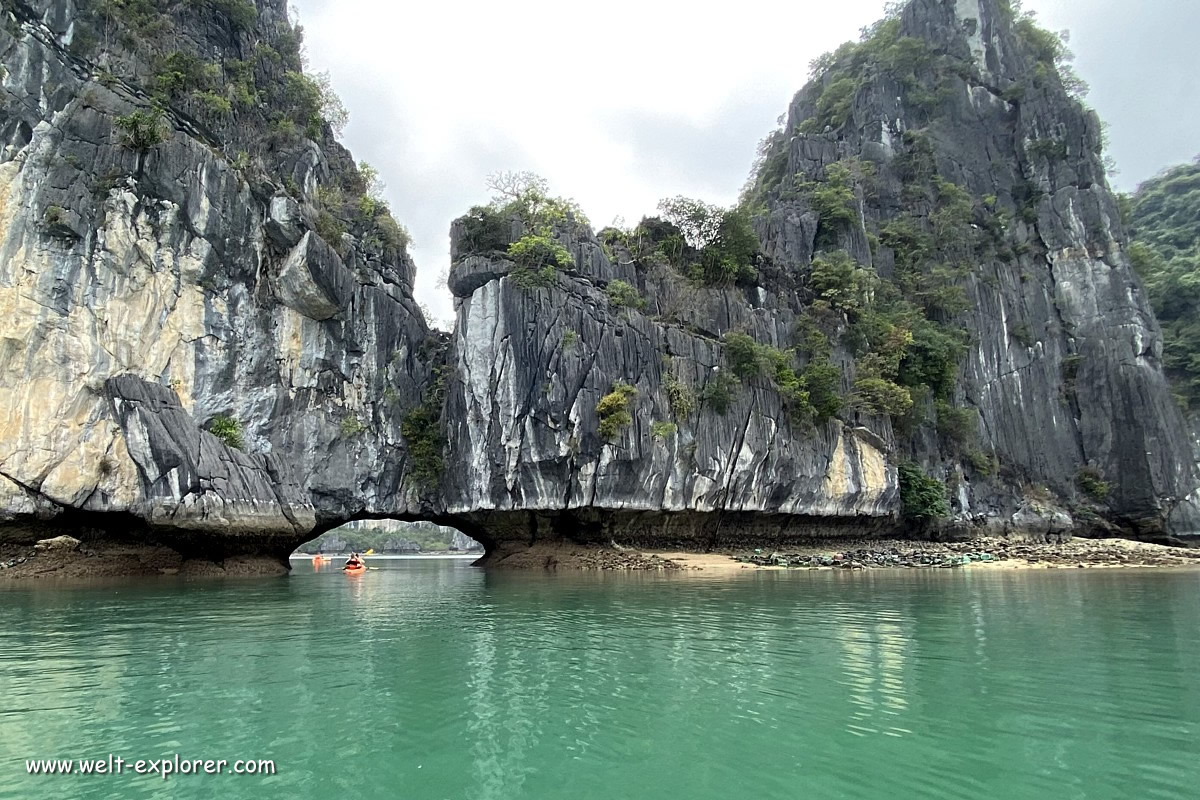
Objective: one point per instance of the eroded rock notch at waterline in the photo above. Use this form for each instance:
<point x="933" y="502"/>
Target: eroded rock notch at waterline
<point x="209" y="326"/>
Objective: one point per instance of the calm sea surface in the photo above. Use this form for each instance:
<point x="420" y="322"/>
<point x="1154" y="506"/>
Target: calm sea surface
<point x="431" y="679"/>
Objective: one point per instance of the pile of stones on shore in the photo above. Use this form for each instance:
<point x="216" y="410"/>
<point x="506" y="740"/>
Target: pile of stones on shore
<point x="1075" y="553"/>
<point x="617" y="560"/>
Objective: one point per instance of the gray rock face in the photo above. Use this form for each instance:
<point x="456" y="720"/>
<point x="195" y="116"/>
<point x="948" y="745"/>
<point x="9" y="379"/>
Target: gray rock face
<point x="1082" y="383"/>
<point x="531" y="366"/>
<point x="152" y="295"/>
<point x="172" y="288"/>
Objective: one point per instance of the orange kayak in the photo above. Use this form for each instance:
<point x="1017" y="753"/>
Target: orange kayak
<point x="359" y="570"/>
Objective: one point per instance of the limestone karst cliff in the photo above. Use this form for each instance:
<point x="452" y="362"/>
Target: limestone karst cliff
<point x="216" y="264"/>
<point x="209" y="339"/>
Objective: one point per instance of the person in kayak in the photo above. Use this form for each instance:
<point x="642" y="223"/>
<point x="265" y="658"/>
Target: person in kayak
<point x="354" y="562"/>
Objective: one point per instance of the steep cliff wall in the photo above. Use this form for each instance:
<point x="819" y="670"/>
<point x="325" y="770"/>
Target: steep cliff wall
<point x="162" y="273"/>
<point x="1164" y="222"/>
<point x="935" y="209"/>
<point x="208" y="337"/>
<point x="976" y="142"/>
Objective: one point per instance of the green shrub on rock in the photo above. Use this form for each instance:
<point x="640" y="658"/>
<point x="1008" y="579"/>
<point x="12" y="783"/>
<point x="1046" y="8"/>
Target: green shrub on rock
<point x="1091" y="481"/>
<point x="623" y="294"/>
<point x="227" y="429"/>
<point x="682" y="401"/>
<point x="839" y="281"/>
<point x="539" y="258"/>
<point x="718" y="246"/>
<point x="425" y="434"/>
<point x="663" y="430"/>
<point x="881" y="396"/>
<point x="823" y="381"/>
<point x="719" y="391"/>
<point x="143" y="129"/>
<point x="743" y="355"/>
<point x="614" y="410"/>
<point x="538" y="251"/>
<point x="484" y="231"/>
<point x="921" y="498"/>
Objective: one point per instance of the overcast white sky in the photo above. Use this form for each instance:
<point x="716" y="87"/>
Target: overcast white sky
<point x="624" y="102"/>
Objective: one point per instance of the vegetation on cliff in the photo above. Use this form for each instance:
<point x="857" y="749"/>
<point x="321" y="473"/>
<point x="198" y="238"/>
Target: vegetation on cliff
<point x="1164" y="221"/>
<point x="238" y="74"/>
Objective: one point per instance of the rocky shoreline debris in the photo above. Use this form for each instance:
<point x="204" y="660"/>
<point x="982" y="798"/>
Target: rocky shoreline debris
<point x="585" y="558"/>
<point x="1075" y="553"/>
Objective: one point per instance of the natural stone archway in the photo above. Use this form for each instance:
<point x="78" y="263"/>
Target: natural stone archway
<point x="385" y="537"/>
<point x="155" y="294"/>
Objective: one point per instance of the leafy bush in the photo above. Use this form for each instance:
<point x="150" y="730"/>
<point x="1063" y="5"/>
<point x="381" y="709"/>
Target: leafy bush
<point x="391" y="234"/>
<point x="951" y="220"/>
<point x="352" y="426"/>
<point x="918" y="162"/>
<point x="424" y="433"/>
<point x="813" y="393"/>
<point x="331" y="229"/>
<point x="983" y="463"/>
<point x="743" y="355"/>
<point x="840" y="75"/>
<point x="313" y="102"/>
<point x="921" y="498"/>
<point x="682" y="401"/>
<point x="526" y="196"/>
<point x="623" y="294"/>
<point x="1051" y="52"/>
<point x="767" y="172"/>
<point x="932" y="358"/>
<point x="484" y="231"/>
<point x="535" y="251"/>
<point x="614" y="410"/>
<point x="663" y="430"/>
<point x="839" y="281"/>
<point x="718" y="391"/>
<point x="227" y="429"/>
<point x="699" y="222"/>
<point x="834" y="103"/>
<point x="823" y="382"/>
<point x="180" y="72"/>
<point x="959" y="425"/>
<point x="833" y="199"/>
<point x="1049" y="149"/>
<point x="731" y="257"/>
<point x="718" y="246"/>
<point x="1022" y="334"/>
<point x="534" y="278"/>
<point x="881" y="396"/>
<point x="56" y="220"/>
<point x="538" y="258"/>
<point x="214" y="103"/>
<point x="1070" y="370"/>
<point x="242" y="13"/>
<point x="143" y="129"/>
<point x="1091" y="481"/>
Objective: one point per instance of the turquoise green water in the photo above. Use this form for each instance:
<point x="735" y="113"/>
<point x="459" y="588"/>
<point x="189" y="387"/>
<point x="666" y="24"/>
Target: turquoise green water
<point x="430" y="679"/>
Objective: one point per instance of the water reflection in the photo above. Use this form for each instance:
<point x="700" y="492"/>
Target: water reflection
<point x="438" y="680"/>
